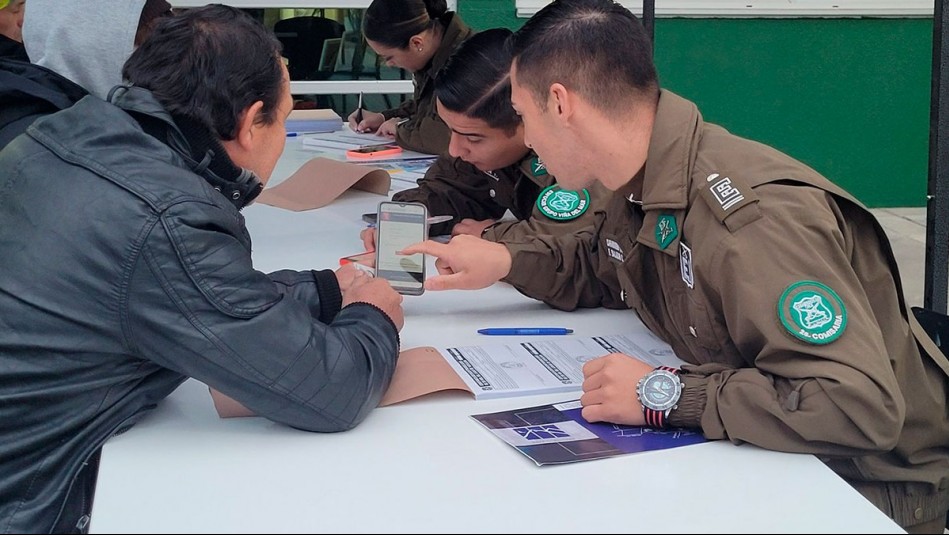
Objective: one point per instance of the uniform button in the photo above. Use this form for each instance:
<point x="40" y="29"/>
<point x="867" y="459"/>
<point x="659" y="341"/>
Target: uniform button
<point x="492" y="193"/>
<point x="692" y="330"/>
<point x="918" y="513"/>
<point x="622" y="295"/>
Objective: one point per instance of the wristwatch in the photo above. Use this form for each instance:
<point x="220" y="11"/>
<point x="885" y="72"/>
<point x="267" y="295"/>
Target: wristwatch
<point x="659" y="392"/>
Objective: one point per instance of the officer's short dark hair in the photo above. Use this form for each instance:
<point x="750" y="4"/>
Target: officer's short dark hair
<point x="476" y="80"/>
<point x="393" y="22"/>
<point x="594" y="47"/>
<point x="210" y="64"/>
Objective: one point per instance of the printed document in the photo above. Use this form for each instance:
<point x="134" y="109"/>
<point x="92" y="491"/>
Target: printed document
<point x="546" y="366"/>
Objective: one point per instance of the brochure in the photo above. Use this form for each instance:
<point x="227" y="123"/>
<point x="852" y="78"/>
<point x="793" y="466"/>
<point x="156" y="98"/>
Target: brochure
<point x="558" y="434"/>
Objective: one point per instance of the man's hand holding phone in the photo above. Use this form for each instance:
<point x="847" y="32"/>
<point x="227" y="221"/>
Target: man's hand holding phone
<point x="357" y="286"/>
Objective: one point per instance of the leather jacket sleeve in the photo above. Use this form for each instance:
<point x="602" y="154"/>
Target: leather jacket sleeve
<point x="269" y="342"/>
<point x="453" y="187"/>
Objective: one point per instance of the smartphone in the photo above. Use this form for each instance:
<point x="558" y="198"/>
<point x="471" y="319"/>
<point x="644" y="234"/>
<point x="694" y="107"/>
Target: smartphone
<point x="401" y="224"/>
<point x="374" y="151"/>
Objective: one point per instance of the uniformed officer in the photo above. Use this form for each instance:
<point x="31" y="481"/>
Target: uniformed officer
<point x="489" y="170"/>
<point x="778" y="288"/>
<point x="419" y="36"/>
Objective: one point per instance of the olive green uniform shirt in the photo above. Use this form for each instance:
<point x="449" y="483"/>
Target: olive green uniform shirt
<point x="457" y="188"/>
<point x="782" y="292"/>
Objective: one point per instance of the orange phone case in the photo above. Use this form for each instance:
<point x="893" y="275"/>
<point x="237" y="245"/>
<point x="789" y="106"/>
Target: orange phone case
<point x="366" y="258"/>
<point x="373" y="151"/>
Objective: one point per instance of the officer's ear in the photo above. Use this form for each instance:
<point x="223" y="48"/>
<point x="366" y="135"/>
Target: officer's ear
<point x="561" y="102"/>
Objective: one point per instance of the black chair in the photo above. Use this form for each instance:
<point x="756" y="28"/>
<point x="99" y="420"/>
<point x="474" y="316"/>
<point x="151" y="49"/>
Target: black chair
<point x="303" y="40"/>
<point x="352" y="59"/>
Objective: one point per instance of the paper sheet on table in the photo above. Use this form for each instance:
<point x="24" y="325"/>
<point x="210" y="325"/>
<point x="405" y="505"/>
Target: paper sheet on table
<point x="543" y="365"/>
<point x="320" y="181"/>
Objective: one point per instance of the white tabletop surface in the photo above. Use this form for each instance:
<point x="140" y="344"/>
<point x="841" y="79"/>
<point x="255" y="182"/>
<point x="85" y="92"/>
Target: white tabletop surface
<point x="424" y="466"/>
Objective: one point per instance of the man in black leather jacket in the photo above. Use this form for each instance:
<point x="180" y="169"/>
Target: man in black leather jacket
<point x="127" y="268"/>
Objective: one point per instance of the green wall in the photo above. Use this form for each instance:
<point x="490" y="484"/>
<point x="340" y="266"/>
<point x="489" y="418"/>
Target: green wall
<point x="849" y="97"/>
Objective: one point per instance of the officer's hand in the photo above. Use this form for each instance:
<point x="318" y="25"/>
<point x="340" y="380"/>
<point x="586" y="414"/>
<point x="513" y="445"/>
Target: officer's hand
<point x="471" y="227"/>
<point x="464" y="263"/>
<point x="368" y="237"/>
<point x="378" y="292"/>
<point x="389" y="127"/>
<point x="609" y="389"/>
<point x="370" y="121"/>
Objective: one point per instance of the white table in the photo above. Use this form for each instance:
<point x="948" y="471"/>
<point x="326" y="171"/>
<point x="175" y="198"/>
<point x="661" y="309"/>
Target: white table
<point x="424" y="466"/>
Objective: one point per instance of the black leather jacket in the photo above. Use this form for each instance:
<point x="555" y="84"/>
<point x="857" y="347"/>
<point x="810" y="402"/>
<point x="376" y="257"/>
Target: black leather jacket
<point x="28" y="92"/>
<point x="122" y="272"/>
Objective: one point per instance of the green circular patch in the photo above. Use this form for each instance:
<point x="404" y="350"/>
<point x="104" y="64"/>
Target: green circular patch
<point x="563" y="204"/>
<point x="812" y="312"/>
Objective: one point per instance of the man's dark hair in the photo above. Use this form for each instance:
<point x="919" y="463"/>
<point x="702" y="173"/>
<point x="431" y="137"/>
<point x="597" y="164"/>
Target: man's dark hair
<point x="476" y="80"/>
<point x="393" y="22"/>
<point x="594" y="47"/>
<point x="209" y="64"/>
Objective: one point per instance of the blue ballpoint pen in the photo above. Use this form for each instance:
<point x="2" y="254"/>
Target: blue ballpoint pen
<point x="513" y="331"/>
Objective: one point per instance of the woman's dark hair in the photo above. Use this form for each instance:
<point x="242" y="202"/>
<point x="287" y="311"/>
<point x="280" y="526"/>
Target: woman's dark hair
<point x="151" y="11"/>
<point x="597" y="48"/>
<point x="393" y="22"/>
<point x="209" y="64"/>
<point x="476" y="80"/>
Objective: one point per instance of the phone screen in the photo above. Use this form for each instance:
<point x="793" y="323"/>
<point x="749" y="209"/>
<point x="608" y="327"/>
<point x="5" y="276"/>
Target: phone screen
<point x="400" y="225"/>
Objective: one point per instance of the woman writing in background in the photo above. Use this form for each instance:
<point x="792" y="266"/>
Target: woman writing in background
<point x="418" y="36"/>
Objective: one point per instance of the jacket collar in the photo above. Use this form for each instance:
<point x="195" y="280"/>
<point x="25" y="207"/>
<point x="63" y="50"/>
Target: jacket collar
<point x="193" y="141"/>
<point x="664" y="182"/>
<point x="672" y="147"/>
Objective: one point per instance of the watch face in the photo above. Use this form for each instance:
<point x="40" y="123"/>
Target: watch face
<point x="661" y="390"/>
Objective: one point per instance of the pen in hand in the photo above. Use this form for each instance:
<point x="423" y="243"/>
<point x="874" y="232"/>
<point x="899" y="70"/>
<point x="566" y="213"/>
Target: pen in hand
<point x="513" y="331"/>
<point x="359" y="112"/>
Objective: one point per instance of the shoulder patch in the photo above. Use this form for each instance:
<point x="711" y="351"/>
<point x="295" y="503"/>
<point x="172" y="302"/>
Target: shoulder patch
<point x="562" y="204"/>
<point x="732" y="201"/>
<point x="812" y="312"/>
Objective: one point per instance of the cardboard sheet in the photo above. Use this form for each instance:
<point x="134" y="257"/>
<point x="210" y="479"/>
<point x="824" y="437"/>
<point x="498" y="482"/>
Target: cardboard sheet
<point x="320" y="181"/>
<point x="419" y="371"/>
